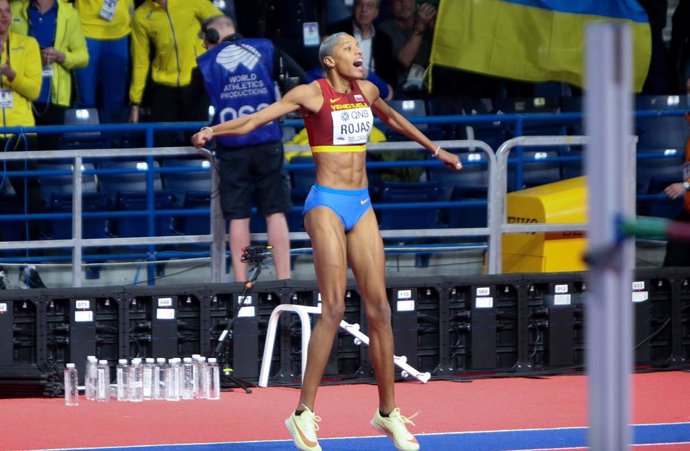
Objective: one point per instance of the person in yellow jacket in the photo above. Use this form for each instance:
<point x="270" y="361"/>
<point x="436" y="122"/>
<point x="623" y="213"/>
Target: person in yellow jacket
<point x="107" y="27"/>
<point x="171" y="28"/>
<point x="55" y="25"/>
<point x="20" y="83"/>
<point x="21" y="73"/>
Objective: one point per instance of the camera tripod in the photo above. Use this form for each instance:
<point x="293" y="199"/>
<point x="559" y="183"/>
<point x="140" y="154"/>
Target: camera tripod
<point x="253" y="256"/>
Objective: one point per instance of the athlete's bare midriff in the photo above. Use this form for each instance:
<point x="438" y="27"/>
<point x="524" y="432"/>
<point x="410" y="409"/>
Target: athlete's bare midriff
<point x="341" y="170"/>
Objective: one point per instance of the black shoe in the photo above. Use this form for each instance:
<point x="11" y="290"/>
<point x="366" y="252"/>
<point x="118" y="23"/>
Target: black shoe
<point x="3" y="279"/>
<point x="29" y="278"/>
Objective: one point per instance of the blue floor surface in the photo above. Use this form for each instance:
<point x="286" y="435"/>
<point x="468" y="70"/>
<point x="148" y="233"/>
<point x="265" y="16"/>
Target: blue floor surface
<point x="530" y="439"/>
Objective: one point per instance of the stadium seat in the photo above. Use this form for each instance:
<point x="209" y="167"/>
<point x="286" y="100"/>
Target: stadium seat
<point x="573" y="105"/>
<point x="656" y="169"/>
<point x="9" y="204"/>
<point x="81" y="140"/>
<point x="186" y="177"/>
<point x="574" y="167"/>
<point x="532" y="105"/>
<point x="660" y="166"/>
<point x="664" y="207"/>
<point x="56" y="194"/>
<point x="552" y="89"/>
<point x="126" y="191"/>
<point x="408" y="108"/>
<point x="661" y="131"/>
<point x="446" y="106"/>
<point x="409" y="218"/>
<point x="539" y="167"/>
<point x="520" y="105"/>
<point x="470" y="184"/>
<point x="472" y="180"/>
<point x="493" y="133"/>
<point x="302" y="179"/>
<point x="120" y="139"/>
<point x="471" y="215"/>
<point x="191" y="189"/>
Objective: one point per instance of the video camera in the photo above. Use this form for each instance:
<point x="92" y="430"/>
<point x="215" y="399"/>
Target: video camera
<point x="256" y="254"/>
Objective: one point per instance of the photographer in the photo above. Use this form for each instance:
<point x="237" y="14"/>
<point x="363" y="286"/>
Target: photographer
<point x="240" y="76"/>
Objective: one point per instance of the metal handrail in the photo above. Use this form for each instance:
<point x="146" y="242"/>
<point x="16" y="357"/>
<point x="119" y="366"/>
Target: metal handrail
<point x="217" y="236"/>
<point x="499" y="197"/>
<point x="497" y="163"/>
<point x="77" y="242"/>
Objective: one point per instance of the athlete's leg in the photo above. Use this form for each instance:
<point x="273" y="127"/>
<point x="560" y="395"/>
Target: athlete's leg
<point x="367" y="260"/>
<point x="328" y="242"/>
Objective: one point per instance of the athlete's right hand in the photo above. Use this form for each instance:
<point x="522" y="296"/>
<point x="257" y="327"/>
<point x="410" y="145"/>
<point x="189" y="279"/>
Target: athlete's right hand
<point x="200" y="138"/>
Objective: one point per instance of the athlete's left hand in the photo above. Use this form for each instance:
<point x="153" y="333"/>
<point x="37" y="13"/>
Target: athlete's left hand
<point x="451" y="160"/>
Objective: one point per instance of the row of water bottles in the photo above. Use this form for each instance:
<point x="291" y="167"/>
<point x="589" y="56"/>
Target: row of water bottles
<point x="174" y="379"/>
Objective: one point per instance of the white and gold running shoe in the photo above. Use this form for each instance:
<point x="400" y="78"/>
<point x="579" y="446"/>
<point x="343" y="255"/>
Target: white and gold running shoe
<point x="394" y="427"/>
<point x="303" y="430"/>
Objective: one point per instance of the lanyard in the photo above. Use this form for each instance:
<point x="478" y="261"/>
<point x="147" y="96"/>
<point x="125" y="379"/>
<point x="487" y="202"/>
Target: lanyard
<point x="7" y="60"/>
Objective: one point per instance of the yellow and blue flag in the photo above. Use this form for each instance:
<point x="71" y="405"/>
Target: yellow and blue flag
<point x="532" y="40"/>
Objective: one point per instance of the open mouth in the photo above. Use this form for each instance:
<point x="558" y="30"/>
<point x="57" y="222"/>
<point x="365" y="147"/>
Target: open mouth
<point x="358" y="62"/>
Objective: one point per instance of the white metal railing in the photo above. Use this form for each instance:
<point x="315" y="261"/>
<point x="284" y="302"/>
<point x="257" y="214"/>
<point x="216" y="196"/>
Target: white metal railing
<point x="496" y="202"/>
<point x="78" y="242"/>
<point x="497" y="222"/>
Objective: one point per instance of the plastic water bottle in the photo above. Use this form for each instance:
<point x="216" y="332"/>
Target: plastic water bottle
<point x="135" y="381"/>
<point x="202" y="387"/>
<point x="195" y="367"/>
<point x="159" y="379"/>
<point x="147" y="372"/>
<point x="177" y="376"/>
<point x="71" y="385"/>
<point x="121" y="374"/>
<point x="188" y="386"/>
<point x="172" y="384"/>
<point x="213" y="379"/>
<point x="102" y="381"/>
<point x="90" y="378"/>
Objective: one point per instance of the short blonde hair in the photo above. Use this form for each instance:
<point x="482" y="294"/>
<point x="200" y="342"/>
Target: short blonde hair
<point x="326" y="47"/>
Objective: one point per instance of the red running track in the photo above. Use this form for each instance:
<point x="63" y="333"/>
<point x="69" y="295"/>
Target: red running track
<point x="479" y="405"/>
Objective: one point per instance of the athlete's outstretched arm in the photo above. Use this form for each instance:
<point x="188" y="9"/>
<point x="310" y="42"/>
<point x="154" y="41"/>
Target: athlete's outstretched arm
<point x="400" y="124"/>
<point x="303" y="95"/>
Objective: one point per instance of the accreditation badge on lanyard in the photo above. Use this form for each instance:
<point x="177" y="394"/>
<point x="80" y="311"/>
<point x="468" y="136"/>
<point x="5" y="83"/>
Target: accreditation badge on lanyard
<point x="6" y="98"/>
<point x="6" y="94"/>
<point x="108" y="9"/>
<point x="310" y="34"/>
<point x="48" y="70"/>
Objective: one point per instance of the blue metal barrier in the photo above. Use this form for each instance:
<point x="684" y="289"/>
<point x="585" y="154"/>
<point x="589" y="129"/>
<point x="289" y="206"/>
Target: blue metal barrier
<point x="516" y="123"/>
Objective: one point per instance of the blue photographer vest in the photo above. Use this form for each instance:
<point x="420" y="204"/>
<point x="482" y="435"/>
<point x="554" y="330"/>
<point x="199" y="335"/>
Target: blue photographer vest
<point x="238" y="75"/>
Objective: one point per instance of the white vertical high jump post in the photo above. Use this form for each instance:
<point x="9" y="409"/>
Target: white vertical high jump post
<point x="610" y="165"/>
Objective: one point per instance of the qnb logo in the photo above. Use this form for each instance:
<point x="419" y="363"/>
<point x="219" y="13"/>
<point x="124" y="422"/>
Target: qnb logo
<point x="232" y="56"/>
